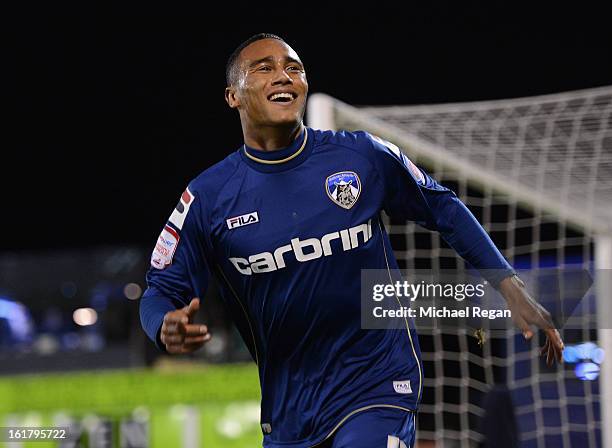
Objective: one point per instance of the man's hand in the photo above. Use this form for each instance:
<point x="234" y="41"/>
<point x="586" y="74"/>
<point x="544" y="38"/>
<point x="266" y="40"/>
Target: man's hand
<point x="527" y="312"/>
<point x="178" y="332"/>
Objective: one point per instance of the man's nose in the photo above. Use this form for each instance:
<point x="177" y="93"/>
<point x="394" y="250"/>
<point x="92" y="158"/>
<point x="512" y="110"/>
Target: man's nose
<point x="281" y="77"/>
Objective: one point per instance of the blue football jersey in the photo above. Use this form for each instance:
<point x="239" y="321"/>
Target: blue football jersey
<point x="286" y="234"/>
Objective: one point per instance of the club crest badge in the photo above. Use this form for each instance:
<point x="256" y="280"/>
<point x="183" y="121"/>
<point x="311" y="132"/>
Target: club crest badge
<point x="343" y="188"/>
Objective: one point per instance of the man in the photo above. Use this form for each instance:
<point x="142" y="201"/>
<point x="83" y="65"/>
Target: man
<point x="286" y="224"/>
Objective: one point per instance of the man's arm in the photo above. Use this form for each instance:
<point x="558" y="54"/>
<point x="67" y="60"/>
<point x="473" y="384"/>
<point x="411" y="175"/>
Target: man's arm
<point x="152" y="312"/>
<point x="412" y="194"/>
<point x="177" y="277"/>
<point x="527" y="312"/>
<point x="465" y="234"/>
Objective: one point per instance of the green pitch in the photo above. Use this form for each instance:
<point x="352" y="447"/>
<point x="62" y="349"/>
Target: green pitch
<point x="222" y="401"/>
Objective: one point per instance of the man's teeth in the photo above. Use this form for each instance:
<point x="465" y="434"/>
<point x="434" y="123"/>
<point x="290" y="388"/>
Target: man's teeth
<point x="281" y="95"/>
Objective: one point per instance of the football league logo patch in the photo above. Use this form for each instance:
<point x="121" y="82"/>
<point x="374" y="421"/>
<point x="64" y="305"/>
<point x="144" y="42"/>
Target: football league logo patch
<point x="165" y="248"/>
<point x="343" y="188"/>
<point x="169" y="237"/>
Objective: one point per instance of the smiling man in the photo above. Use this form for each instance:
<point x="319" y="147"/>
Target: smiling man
<point x="270" y="111"/>
<point x="286" y="224"/>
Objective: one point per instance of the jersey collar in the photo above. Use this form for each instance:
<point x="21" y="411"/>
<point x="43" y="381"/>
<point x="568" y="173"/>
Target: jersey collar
<point x="280" y="159"/>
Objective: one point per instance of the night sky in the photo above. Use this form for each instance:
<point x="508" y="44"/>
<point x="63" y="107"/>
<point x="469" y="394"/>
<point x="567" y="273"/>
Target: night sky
<point x="112" y="112"/>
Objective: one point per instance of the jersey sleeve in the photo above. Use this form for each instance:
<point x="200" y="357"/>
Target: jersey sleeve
<point x="178" y="270"/>
<point x="411" y="194"/>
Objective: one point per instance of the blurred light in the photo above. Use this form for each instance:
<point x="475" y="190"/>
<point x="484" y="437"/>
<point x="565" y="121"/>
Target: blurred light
<point x="46" y="344"/>
<point x="68" y="289"/>
<point x="588" y="351"/>
<point x="216" y="345"/>
<point x="71" y="341"/>
<point x="230" y="428"/>
<point x="53" y="319"/>
<point x="178" y="412"/>
<point x="598" y="355"/>
<point x="18" y="318"/>
<point x="99" y="300"/>
<point x="90" y="421"/>
<point x="132" y="291"/>
<point x="587" y="371"/>
<point x="570" y="354"/>
<point x="92" y="342"/>
<point x="238" y="419"/>
<point x="85" y="316"/>
<point x="141" y="414"/>
<point x="32" y="419"/>
<point x="61" y="418"/>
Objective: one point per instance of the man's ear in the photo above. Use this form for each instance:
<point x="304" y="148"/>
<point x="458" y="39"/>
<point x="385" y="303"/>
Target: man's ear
<point x="231" y="98"/>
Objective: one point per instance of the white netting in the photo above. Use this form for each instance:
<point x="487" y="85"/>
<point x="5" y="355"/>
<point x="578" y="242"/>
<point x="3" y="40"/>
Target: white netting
<point x="537" y="173"/>
<point x="558" y="146"/>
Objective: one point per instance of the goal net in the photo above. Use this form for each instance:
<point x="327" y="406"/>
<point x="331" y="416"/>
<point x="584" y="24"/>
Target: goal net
<point x="537" y="173"/>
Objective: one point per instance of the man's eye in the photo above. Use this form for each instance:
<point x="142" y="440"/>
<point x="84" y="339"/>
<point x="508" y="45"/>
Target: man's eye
<point x="294" y="68"/>
<point x="263" y="68"/>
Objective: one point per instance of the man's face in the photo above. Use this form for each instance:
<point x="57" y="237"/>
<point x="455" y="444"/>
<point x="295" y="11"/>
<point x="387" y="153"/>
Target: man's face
<point x="271" y="87"/>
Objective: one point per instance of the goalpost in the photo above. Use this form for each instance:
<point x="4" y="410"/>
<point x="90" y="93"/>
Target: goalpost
<point x="537" y="173"/>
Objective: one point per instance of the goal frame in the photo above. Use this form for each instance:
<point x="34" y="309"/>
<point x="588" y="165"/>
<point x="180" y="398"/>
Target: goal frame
<point x="321" y="115"/>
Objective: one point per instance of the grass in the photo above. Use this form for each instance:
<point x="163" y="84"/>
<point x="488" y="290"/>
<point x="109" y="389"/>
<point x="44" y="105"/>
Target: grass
<point x="118" y="391"/>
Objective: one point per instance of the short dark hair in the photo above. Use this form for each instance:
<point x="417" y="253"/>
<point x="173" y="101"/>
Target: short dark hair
<point x="231" y="66"/>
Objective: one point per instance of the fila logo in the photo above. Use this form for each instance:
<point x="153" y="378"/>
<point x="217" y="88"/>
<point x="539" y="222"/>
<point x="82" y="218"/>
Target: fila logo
<point x="402" y="387"/>
<point x="303" y="250"/>
<point x="242" y="220"/>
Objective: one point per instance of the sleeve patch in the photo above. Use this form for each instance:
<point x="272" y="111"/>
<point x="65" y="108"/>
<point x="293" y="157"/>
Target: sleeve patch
<point x="165" y="248"/>
<point x="393" y="148"/>
<point x="414" y="171"/>
<point x="182" y="208"/>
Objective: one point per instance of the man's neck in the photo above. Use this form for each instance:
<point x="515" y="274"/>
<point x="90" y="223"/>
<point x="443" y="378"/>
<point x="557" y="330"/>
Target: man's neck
<point x="271" y="138"/>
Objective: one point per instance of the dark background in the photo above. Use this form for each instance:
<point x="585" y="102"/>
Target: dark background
<point x="111" y="110"/>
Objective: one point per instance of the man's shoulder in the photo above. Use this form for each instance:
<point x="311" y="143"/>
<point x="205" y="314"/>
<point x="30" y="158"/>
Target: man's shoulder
<point x="369" y="146"/>
<point x="355" y="140"/>
<point x="210" y="181"/>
